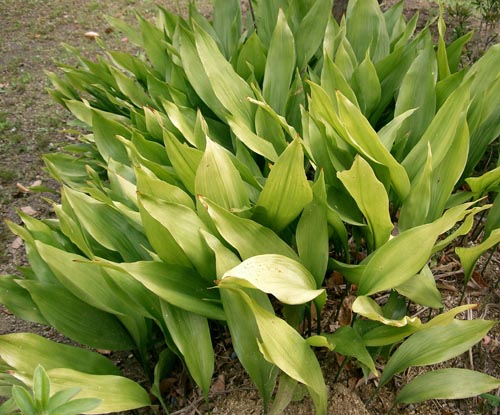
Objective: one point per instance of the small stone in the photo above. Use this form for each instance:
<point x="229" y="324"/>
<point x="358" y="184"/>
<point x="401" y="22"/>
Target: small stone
<point x="91" y="35"/>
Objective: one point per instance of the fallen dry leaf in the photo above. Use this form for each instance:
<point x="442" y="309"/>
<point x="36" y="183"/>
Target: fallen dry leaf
<point x="28" y="210"/>
<point x="219" y="385"/>
<point x="22" y="188"/>
<point x="16" y="243"/>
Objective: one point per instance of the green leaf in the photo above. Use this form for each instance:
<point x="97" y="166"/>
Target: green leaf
<point x="107" y="225"/>
<point x="311" y="30"/>
<point x="348" y="342"/>
<point x="116" y="393"/>
<point x="18" y="300"/>
<point x="191" y="335"/>
<point x="41" y="388"/>
<point x="218" y="179"/>
<point x="231" y="91"/>
<point x="61" y="397"/>
<point x="25" y="351"/>
<point x="441" y="132"/>
<point x="385" y="268"/>
<point x="421" y="289"/>
<point x="300" y="365"/>
<point x="367" y="307"/>
<point x="184" y="159"/>
<point x="252" y="58"/>
<point x="77" y="319"/>
<point x="416" y="206"/>
<point x="227" y="24"/>
<point x="247" y="236"/>
<point x="447" y="174"/>
<point x="286" y="191"/>
<point x="289" y="281"/>
<point x="254" y="142"/>
<point x="312" y="233"/>
<point x="188" y="238"/>
<point x="244" y="332"/>
<point x="469" y="256"/>
<point x="372" y="199"/>
<point x="76" y="406"/>
<point x="366" y="84"/>
<point x="417" y="91"/>
<point x="449" y="383"/>
<point x="179" y="286"/>
<point x="24" y="400"/>
<point x="280" y="65"/>
<point x="366" y="29"/>
<point x="436" y="344"/>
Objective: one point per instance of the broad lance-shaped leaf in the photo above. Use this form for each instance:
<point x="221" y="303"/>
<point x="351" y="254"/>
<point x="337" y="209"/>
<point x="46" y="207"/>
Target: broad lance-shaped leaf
<point x="366" y="84"/>
<point x="312" y="233"/>
<point x="247" y="236"/>
<point x="389" y="335"/>
<point x="418" y="90"/>
<point x="286" y="191"/>
<point x="107" y="226"/>
<point x="180" y="286"/>
<point x="184" y="159"/>
<point x="422" y="289"/>
<point x="300" y="365"/>
<point x="435" y="345"/>
<point x="311" y="31"/>
<point x="218" y="179"/>
<point x="188" y="237"/>
<point x="76" y="319"/>
<point x="229" y="88"/>
<point x="446" y="175"/>
<point x="242" y="324"/>
<point x="347" y="341"/>
<point x="286" y="279"/>
<point x="191" y="335"/>
<point x="372" y="199"/>
<point x="469" y="256"/>
<point x="441" y="133"/>
<point x="25" y="351"/>
<point x="280" y="65"/>
<point x="366" y="29"/>
<point x="452" y="383"/>
<point x="116" y="393"/>
<point x="405" y="255"/>
<point x="227" y="24"/>
<point x="90" y="283"/>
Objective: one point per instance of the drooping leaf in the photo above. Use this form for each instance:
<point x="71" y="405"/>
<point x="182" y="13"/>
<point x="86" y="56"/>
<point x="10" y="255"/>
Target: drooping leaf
<point x="116" y="393"/>
<point x="25" y="351"/>
<point x="436" y="344"/>
<point x="191" y="335"/>
<point x="301" y="365"/>
<point x="288" y="280"/>
<point x="452" y="383"/>
<point x="247" y="236"/>
<point x="77" y="319"/>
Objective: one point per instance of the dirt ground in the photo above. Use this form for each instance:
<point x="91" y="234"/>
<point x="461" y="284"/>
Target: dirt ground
<point x="31" y="33"/>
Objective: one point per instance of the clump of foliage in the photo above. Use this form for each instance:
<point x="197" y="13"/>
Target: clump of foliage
<point x="228" y="170"/>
